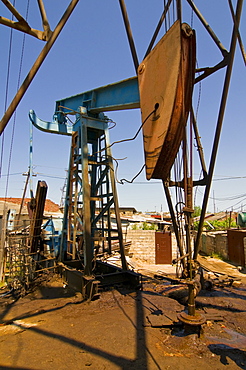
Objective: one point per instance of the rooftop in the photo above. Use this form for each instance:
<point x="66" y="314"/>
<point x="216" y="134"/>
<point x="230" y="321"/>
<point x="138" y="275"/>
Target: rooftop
<point x="49" y="205"/>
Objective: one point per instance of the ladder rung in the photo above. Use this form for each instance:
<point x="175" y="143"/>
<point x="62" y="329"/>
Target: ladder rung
<point x="95" y="198"/>
<point x="103" y="163"/>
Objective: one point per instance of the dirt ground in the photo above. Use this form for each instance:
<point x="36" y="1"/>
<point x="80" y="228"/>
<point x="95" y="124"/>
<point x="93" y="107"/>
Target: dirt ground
<point x="53" y="328"/>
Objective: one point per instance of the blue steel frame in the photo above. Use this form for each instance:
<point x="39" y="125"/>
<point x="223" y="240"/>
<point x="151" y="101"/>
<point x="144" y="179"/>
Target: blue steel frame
<point x="118" y="96"/>
<point x="87" y="108"/>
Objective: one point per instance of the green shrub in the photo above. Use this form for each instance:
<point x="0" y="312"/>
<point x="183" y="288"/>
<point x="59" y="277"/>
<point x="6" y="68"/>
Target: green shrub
<point x="216" y="225"/>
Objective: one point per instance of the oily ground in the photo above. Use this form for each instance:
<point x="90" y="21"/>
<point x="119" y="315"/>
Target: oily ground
<point x="52" y="327"/>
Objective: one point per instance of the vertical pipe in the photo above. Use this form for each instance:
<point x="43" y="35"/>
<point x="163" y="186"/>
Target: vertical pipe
<point x="31" y="160"/>
<point x="2" y="242"/>
<point x="88" y="248"/>
<point x="22" y="201"/>
<point x="219" y="126"/>
<point x="175" y="227"/>
<point x="63" y="241"/>
<point x="199" y="144"/>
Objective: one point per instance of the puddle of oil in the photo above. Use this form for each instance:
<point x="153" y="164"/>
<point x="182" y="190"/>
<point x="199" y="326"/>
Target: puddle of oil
<point x="235" y="340"/>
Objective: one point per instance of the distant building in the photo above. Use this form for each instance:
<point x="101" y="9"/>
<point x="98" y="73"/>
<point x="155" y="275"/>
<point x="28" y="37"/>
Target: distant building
<point x="10" y="208"/>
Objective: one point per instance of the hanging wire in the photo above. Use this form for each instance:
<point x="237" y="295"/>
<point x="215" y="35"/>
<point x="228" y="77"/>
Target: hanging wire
<point x="122" y="181"/>
<point x="135" y="136"/>
<point x="14" y="121"/>
<point x="130" y="139"/>
<point x="7" y="89"/>
<point x="113" y="124"/>
<point x="199" y="93"/>
<point x="192" y="17"/>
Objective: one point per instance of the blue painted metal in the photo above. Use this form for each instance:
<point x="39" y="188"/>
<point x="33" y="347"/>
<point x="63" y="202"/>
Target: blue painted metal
<point x="52" y="235"/>
<point x="89" y="188"/>
<point x="31" y="159"/>
<point x="53" y="127"/>
<point x="118" y="96"/>
<point x="11" y="219"/>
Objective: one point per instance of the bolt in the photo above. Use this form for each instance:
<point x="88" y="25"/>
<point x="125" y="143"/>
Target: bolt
<point x="141" y="69"/>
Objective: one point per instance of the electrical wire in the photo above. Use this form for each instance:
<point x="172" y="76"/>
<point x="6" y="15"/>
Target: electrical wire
<point x="124" y="140"/>
<point x="230" y="178"/>
<point x="135" y="136"/>
<point x="51" y="176"/>
<point x="14" y="120"/>
<point x="191" y="17"/>
<point x="7" y="89"/>
<point x="122" y="181"/>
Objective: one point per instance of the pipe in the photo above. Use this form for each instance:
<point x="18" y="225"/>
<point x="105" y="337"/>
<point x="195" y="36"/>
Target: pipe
<point x="20" y="93"/>
<point x="129" y="34"/>
<point x="208" y="28"/>
<point x="158" y="28"/>
<point x="218" y="127"/>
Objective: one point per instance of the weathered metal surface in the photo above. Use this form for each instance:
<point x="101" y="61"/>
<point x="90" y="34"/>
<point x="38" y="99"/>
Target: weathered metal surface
<point x="116" y="96"/>
<point x="104" y="275"/>
<point x="165" y="83"/>
<point x="22" y="25"/>
<point x="218" y="126"/>
<point x="37" y="218"/>
<point x="192" y="317"/>
<point x="236" y="246"/>
<point x="163" y="248"/>
<point x="91" y="197"/>
<point x="37" y="64"/>
<point x="193" y="320"/>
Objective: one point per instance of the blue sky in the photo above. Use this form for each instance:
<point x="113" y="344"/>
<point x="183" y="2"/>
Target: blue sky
<point x="93" y="51"/>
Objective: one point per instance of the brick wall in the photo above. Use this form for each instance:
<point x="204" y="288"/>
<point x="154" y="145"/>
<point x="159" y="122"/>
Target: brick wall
<point x="143" y="245"/>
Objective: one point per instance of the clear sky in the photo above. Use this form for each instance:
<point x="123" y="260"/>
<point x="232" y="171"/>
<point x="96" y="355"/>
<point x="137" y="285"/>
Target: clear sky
<point x="93" y="51"/>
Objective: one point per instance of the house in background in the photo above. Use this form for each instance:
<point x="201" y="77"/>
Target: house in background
<point x="10" y="209"/>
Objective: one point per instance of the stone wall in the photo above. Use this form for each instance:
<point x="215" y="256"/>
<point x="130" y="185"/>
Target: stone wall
<point x="215" y="243"/>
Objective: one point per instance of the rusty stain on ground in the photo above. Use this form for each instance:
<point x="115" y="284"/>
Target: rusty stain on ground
<point x="52" y="327"/>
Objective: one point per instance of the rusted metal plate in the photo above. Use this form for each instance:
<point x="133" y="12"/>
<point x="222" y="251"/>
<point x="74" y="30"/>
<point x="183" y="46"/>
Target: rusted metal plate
<point x="163" y="248"/>
<point x="37" y="216"/>
<point x="166" y="78"/>
<point x="236" y="252"/>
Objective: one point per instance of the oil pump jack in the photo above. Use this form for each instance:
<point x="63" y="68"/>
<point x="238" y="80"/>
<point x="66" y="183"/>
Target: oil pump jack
<point x="91" y="195"/>
<point x="163" y="90"/>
